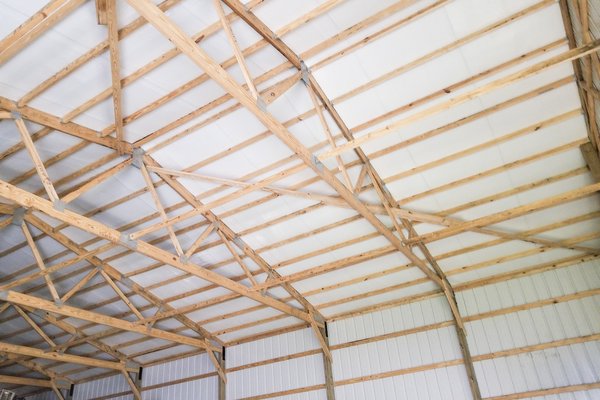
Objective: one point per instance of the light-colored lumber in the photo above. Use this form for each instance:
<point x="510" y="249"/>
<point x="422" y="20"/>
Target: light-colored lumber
<point x="18" y="380"/>
<point x="69" y="311"/>
<point x="28" y="200"/>
<point x="69" y="358"/>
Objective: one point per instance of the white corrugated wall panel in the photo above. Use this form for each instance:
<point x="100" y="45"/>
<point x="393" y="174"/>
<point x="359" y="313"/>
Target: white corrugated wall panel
<point x="544" y="369"/>
<point x="565" y="365"/>
<point x="178" y="369"/>
<point x="102" y="387"/>
<point x="274" y="377"/>
<point x="399" y="353"/>
<point x="389" y="320"/>
<point x="449" y="383"/>
<point x="272" y="347"/>
<point x="48" y="395"/>
<point x="204" y="389"/>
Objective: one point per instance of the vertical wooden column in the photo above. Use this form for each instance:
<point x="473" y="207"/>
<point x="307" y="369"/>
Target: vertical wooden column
<point x="328" y="367"/>
<point x="222" y="383"/>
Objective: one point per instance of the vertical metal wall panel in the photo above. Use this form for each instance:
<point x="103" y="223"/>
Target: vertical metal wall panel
<point x="198" y="389"/>
<point x="275" y="377"/>
<point x="547" y="368"/>
<point x="396" y="353"/>
<point x="389" y="320"/>
<point x="272" y="347"/>
<point x="47" y="395"/>
<point x="102" y="387"/>
<point x="450" y="383"/>
<point x="400" y="353"/>
<point x="178" y="369"/>
<point x="561" y="366"/>
<point x="270" y="378"/>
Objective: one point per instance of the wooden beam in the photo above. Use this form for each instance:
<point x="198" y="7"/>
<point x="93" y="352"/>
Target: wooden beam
<point x="159" y="207"/>
<point x="329" y="136"/>
<point x="121" y="295"/>
<point x="187" y="46"/>
<point x="77" y="333"/>
<point x="117" y="276"/>
<point x="67" y="358"/>
<point x="328" y="368"/>
<point x="136" y="391"/>
<point x="222" y="395"/>
<point x="474" y="93"/>
<point x="236" y="48"/>
<point x="35" y="157"/>
<point x="27" y="199"/>
<point x="272" y="39"/>
<point x="201" y="238"/>
<point x="238" y="241"/>
<point x="102" y="11"/>
<point x="80" y="283"/>
<point x="115" y="67"/>
<point x="69" y="311"/>
<point x="57" y="391"/>
<point x="237" y="258"/>
<point x="508" y="214"/>
<point x="35" y="326"/>
<point x="40" y="261"/>
<point x="71" y="128"/>
<point x="590" y="155"/>
<point x="95" y="181"/>
<point x="18" y="380"/>
<point x="34" y="27"/>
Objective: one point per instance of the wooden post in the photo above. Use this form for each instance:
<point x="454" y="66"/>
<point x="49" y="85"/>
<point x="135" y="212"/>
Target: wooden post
<point x="328" y="367"/>
<point x="222" y="383"/>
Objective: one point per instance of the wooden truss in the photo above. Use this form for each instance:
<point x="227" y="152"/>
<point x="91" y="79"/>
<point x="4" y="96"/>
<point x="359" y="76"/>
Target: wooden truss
<point x="24" y="208"/>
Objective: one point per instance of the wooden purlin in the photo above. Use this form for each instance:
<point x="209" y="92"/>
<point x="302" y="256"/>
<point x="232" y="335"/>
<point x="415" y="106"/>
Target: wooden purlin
<point x="27" y="199"/>
<point x="236" y="239"/>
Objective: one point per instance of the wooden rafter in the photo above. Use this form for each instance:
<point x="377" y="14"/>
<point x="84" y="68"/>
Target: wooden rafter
<point x="35" y="326"/>
<point x="160" y="208"/>
<point x="237" y="258"/>
<point x="394" y="211"/>
<point x="115" y="66"/>
<point x="116" y="276"/>
<point x="18" y="380"/>
<point x="188" y="47"/>
<point x="35" y="26"/>
<point x="239" y="242"/>
<point x="569" y="55"/>
<point x="120" y="293"/>
<point x="41" y="304"/>
<point x="27" y="199"/>
<point x="71" y="128"/>
<point x="136" y="392"/>
<point x="236" y="48"/>
<point x="37" y="161"/>
<point x="40" y="261"/>
<point x="69" y="358"/>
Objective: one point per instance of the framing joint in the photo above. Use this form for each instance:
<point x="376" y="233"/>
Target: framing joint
<point x="18" y="216"/>
<point x="137" y="156"/>
<point x="16" y="115"/>
<point x="305" y="73"/>
<point x="59" y="205"/>
<point x="128" y="242"/>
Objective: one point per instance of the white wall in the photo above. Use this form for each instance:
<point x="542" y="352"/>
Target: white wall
<point x="559" y="366"/>
<point x="277" y="377"/>
<point x="398" y="367"/>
